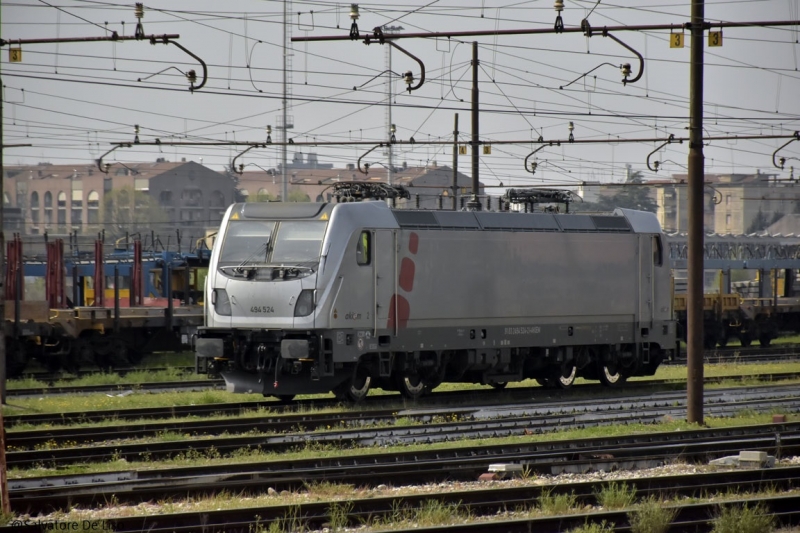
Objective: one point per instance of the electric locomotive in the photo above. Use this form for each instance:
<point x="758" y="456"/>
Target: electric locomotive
<point x="306" y="298"/>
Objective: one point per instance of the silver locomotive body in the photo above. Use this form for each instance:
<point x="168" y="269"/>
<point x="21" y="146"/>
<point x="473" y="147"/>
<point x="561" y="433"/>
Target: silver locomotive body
<point x="308" y="298"/>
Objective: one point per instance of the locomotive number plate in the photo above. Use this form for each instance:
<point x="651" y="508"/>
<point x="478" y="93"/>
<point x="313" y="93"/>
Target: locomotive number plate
<point x="262" y="309"/>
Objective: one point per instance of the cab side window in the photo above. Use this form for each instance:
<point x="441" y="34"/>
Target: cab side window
<point x="363" y="248"/>
<point x="658" y="251"/>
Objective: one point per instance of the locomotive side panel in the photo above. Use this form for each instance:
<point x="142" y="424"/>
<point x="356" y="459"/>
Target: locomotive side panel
<point x="492" y="278"/>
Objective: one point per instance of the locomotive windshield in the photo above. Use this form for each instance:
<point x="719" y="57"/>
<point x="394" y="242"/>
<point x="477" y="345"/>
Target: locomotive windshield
<point x="254" y="243"/>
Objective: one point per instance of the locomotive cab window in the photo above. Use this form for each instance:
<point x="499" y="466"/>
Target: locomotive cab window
<point x="261" y="243"/>
<point x="363" y="248"/>
<point x="658" y="251"/>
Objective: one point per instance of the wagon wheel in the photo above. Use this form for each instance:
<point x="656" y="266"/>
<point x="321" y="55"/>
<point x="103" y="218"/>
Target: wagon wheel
<point x="84" y="352"/>
<point x="544" y="382"/>
<point x="499" y="385"/>
<point x="355" y="388"/>
<point x="120" y="354"/>
<point x="135" y="356"/>
<point x="81" y="354"/>
<point x="746" y="339"/>
<point x="16" y="357"/>
<point x="710" y="341"/>
<point x="285" y="398"/>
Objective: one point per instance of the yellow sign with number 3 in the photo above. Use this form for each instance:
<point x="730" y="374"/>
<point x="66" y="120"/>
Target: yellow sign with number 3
<point x="15" y="55"/>
<point x="715" y="38"/>
<point x="676" y="40"/>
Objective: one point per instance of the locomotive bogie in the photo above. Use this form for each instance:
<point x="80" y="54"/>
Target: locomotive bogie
<point x="406" y="300"/>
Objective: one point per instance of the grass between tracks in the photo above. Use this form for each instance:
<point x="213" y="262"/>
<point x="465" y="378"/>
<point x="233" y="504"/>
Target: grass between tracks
<point x="432" y="513"/>
<point x="108" y="378"/>
<point x="645" y="514"/>
<point x="310" y="449"/>
<point x="171" y="369"/>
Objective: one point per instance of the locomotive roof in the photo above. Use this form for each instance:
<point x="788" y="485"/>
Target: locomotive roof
<point x="380" y="214"/>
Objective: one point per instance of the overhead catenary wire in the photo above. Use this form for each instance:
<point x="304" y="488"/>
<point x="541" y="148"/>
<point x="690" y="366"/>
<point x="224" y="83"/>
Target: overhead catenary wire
<point x="510" y="93"/>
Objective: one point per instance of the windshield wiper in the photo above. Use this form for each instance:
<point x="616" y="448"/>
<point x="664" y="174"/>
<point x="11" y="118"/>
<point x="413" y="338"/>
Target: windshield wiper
<point x="264" y="248"/>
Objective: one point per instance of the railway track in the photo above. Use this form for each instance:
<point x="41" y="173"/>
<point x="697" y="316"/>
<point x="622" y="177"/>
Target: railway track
<point x="513" y="394"/>
<point x="694" y="517"/>
<point x="42" y="495"/>
<point x="365" y="429"/>
<point x="276" y="423"/>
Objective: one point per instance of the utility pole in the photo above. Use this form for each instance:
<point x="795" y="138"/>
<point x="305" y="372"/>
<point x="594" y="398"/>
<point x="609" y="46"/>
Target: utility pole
<point x="3" y="354"/>
<point x="474" y="204"/>
<point x="694" y="312"/>
<point x="389" y="126"/>
<point x="389" y="110"/>
<point x="455" y="164"/>
<point x="284" y="126"/>
<point x="5" y="504"/>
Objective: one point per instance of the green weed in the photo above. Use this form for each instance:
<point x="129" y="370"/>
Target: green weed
<point x="744" y="519"/>
<point x="593" y="528"/>
<point x="555" y="504"/>
<point x="339" y="513"/>
<point x="650" y="516"/>
<point x="617" y="496"/>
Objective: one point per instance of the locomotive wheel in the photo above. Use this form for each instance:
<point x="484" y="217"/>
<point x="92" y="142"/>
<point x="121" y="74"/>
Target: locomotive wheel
<point x="544" y="382"/>
<point x="610" y="376"/>
<point x="354" y="389"/>
<point x="499" y="385"/>
<point x="411" y="386"/>
<point x="764" y="340"/>
<point x="563" y="376"/>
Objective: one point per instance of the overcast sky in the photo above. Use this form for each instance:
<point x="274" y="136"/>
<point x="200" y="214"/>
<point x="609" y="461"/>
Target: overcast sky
<point x="70" y="101"/>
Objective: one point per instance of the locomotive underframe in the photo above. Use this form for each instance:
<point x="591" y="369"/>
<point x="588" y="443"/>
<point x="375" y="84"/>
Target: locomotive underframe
<point x="289" y="362"/>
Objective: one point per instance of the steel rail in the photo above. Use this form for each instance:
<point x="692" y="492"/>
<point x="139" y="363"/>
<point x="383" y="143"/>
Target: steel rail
<point x="548" y="458"/>
<point x="489" y="502"/>
<point x="285" y="422"/>
<point x="500" y="421"/>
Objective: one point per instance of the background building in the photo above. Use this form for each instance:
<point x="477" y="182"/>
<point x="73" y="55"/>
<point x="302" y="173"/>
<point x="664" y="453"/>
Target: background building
<point x="185" y="200"/>
<point x="146" y="198"/>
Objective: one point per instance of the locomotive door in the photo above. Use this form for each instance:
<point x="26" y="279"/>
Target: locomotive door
<point x="646" y="273"/>
<point x="385" y="265"/>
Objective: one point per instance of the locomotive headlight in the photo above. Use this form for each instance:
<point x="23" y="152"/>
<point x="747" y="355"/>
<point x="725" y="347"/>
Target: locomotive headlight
<point x="222" y="304"/>
<point x="305" y="303"/>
